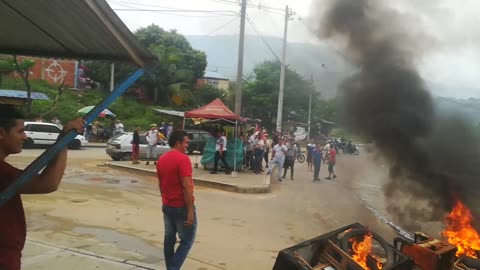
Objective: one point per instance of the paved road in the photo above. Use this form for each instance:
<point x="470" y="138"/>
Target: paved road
<point x="114" y="214"/>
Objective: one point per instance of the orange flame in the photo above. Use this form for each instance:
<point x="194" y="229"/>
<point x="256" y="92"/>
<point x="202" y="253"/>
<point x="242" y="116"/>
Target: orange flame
<point x="362" y="249"/>
<point x="460" y="232"/>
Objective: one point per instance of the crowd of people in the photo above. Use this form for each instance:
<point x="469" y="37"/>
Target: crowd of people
<point x="152" y="136"/>
<point x="281" y="151"/>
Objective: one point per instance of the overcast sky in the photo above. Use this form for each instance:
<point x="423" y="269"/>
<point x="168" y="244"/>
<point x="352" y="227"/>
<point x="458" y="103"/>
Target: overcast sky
<point x="452" y="64"/>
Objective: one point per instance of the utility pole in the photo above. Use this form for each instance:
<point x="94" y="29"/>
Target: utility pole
<point x="112" y="77"/>
<point x="238" y="90"/>
<point x="282" y="72"/>
<point x="310" y="107"/>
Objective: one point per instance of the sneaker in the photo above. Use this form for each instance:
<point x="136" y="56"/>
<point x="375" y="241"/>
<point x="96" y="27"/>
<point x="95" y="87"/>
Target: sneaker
<point x="283" y="177"/>
<point x="228" y="172"/>
<point x="328" y="178"/>
<point x="148" y="162"/>
<point x="291" y="178"/>
<point x="280" y="180"/>
<point x="269" y="172"/>
<point x="213" y="172"/>
<point x="334" y="176"/>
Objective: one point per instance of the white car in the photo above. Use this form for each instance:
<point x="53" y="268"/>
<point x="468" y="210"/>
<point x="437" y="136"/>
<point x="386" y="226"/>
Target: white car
<point x="120" y="147"/>
<point x="43" y="134"/>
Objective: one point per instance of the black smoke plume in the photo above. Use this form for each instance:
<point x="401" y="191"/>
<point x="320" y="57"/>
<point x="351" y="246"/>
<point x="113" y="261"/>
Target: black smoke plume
<point x="434" y="160"/>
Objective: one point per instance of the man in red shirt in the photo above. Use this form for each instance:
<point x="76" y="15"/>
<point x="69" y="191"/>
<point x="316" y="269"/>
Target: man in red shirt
<point x="332" y="159"/>
<point x="12" y="217"/>
<point x="174" y="171"/>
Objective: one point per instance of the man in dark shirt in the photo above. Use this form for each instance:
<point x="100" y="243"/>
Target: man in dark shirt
<point x="12" y="217"/>
<point x="136" y="146"/>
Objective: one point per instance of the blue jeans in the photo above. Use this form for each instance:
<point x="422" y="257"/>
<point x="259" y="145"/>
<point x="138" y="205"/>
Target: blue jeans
<point x="277" y="162"/>
<point x="174" y="219"/>
<point x="258" y="159"/>
<point x="151" y="152"/>
<point x="316" y="170"/>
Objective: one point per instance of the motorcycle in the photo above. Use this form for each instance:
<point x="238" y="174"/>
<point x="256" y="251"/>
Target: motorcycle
<point x="300" y="156"/>
<point x="351" y="149"/>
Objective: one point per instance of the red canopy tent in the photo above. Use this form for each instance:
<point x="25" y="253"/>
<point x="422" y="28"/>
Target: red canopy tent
<point x="213" y="110"/>
<point x="217" y="110"/>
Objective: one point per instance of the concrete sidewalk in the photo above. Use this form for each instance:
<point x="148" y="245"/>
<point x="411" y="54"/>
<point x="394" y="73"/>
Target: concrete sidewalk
<point x="97" y="145"/>
<point x="241" y="182"/>
<point x="38" y="255"/>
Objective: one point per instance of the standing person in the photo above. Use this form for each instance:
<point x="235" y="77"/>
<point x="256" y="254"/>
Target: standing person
<point x="310" y="147"/>
<point x="88" y="132"/>
<point x="221" y="153"/>
<point x="317" y="156"/>
<point x="13" y="228"/>
<point x="292" y="152"/>
<point x="152" y="139"/>
<point x="163" y="129"/>
<point x="259" y="152"/>
<point x="326" y="157"/>
<point x="267" y="143"/>
<point x="169" y="129"/>
<point x="332" y="160"/>
<point x="57" y="122"/>
<point x="278" y="158"/>
<point x="249" y="144"/>
<point x="176" y="187"/>
<point x="136" y="146"/>
<point x="119" y="128"/>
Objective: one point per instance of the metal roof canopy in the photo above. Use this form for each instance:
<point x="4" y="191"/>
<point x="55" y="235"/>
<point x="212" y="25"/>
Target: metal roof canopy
<point x="80" y="29"/>
<point x="22" y="94"/>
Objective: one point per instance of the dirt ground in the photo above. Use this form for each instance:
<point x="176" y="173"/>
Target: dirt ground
<point x="116" y="214"/>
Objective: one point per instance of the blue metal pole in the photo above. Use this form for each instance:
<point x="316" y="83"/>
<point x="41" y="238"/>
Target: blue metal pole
<point x="39" y="163"/>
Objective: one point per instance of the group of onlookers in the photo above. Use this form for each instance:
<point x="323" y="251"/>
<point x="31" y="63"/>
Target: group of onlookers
<point x="316" y="154"/>
<point x="152" y="136"/>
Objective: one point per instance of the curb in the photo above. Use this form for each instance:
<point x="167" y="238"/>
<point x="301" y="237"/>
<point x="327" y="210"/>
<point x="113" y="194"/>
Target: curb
<point x="96" y="145"/>
<point x="201" y="182"/>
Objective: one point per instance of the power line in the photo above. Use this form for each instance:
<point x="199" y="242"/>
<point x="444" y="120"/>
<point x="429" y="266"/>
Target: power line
<point x="224" y="25"/>
<point x="178" y="10"/>
<point x="130" y="7"/>
<point x="300" y="19"/>
<point x="252" y="24"/>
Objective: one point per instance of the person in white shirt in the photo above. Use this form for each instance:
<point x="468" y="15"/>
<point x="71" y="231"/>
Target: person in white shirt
<point x="119" y="127"/>
<point x="152" y="139"/>
<point x="221" y="153"/>
<point x="278" y="158"/>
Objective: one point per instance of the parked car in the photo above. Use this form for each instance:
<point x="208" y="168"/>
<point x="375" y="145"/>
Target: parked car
<point x="43" y="134"/>
<point x="119" y="147"/>
<point x="198" y="140"/>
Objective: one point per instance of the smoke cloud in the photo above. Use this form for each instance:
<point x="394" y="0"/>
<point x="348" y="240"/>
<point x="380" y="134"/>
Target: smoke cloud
<point x="433" y="159"/>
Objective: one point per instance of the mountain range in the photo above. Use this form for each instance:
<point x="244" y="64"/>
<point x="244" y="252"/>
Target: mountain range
<point x="326" y="66"/>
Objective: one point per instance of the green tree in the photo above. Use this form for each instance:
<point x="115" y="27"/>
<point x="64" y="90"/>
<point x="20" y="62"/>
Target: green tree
<point x="7" y="66"/>
<point x="261" y="94"/>
<point x="172" y="81"/>
<point x="23" y="68"/>
<point x="208" y="93"/>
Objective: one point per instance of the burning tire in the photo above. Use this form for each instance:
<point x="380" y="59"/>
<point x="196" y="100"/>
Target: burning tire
<point x="346" y="245"/>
